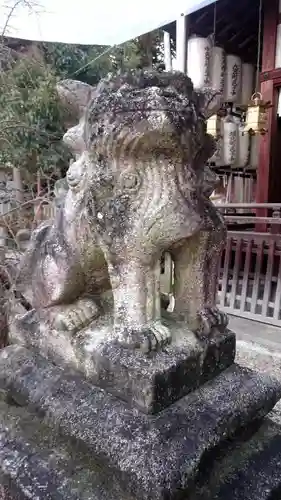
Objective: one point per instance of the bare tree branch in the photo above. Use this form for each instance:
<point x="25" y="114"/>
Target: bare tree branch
<point x="10" y="14"/>
<point x="30" y="5"/>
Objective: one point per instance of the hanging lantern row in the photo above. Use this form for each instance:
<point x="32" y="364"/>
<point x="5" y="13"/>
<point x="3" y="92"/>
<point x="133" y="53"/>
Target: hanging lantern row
<point x="209" y="65"/>
<point x="235" y="148"/>
<point x="255" y="121"/>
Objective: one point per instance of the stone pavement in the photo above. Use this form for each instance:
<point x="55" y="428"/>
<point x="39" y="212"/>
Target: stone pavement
<point x="246" y="330"/>
<point x="259" y="348"/>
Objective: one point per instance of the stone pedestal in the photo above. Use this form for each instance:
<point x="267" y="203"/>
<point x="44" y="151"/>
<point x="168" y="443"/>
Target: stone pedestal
<point x="150" y="382"/>
<point x="142" y="427"/>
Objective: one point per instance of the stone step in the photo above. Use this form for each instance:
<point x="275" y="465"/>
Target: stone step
<point x="154" y="457"/>
<point x="37" y="463"/>
<point x="249" y="470"/>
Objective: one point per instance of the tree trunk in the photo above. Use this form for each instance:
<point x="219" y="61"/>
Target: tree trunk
<point x="18" y="186"/>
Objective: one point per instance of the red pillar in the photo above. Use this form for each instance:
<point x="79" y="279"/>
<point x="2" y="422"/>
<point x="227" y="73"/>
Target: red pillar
<point x="269" y="94"/>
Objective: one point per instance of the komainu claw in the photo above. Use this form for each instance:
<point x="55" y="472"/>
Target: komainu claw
<point x="210" y="318"/>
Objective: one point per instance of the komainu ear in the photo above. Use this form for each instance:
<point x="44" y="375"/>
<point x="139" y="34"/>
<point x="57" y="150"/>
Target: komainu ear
<point x="75" y="96"/>
<point x="209" y="101"/>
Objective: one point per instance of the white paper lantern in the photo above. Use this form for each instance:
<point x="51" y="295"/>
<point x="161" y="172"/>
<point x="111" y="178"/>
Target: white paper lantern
<point x="254" y="151"/>
<point x="247" y="87"/>
<point x="3" y="236"/>
<point x="233" y="79"/>
<point x="218" y="157"/>
<point x="243" y="150"/>
<point x="230" y="141"/>
<point x="238" y="190"/>
<point x="248" y="190"/>
<point x="218" y="69"/>
<point x="199" y="51"/>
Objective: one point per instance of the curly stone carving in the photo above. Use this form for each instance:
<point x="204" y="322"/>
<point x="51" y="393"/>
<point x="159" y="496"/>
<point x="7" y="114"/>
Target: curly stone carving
<point x="139" y="187"/>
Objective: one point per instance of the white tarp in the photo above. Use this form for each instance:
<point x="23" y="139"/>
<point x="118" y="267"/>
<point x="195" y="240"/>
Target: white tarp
<point x="89" y="22"/>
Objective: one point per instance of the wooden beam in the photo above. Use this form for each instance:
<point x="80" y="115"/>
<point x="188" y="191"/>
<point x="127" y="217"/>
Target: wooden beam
<point x="181" y="42"/>
<point x="271" y="17"/>
<point x="167" y="51"/>
<point x="201" y="17"/>
<point x="247" y="40"/>
<point x="265" y="152"/>
<point x="244" y="219"/>
<point x="242" y="27"/>
<point x="274" y="74"/>
<point x="271" y="9"/>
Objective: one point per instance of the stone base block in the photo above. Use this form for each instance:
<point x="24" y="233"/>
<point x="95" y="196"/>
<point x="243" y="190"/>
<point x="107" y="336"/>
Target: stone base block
<point x="153" y="457"/>
<point x="36" y="463"/>
<point x="148" y="382"/>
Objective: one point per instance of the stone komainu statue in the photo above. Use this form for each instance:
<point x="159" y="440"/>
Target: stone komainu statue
<point x="139" y="187"/>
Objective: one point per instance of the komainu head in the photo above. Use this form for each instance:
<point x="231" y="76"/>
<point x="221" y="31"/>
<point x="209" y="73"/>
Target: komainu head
<point x="141" y="111"/>
<point x="141" y="147"/>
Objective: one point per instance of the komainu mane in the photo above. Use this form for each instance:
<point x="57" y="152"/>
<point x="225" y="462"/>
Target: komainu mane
<point x="138" y="187"/>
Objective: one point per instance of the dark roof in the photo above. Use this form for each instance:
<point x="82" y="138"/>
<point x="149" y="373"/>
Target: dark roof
<point x="236" y="26"/>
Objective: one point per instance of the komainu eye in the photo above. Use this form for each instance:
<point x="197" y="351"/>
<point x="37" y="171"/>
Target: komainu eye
<point x="130" y="181"/>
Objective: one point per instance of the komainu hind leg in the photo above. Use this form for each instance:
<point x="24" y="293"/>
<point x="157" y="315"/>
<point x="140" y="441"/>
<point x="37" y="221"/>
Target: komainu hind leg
<point x="196" y="277"/>
<point x="58" y="282"/>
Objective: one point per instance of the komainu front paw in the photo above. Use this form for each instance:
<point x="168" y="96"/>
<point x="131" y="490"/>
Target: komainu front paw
<point x="74" y="317"/>
<point x="210" y="318"/>
<point x="149" y="338"/>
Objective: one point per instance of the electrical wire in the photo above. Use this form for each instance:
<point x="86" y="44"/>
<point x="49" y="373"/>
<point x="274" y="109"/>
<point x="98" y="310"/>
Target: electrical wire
<point x="215" y="23"/>
<point x="259" y="45"/>
<point x="106" y="51"/>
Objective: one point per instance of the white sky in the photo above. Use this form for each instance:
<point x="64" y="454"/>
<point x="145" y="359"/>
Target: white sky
<point x="91" y="22"/>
